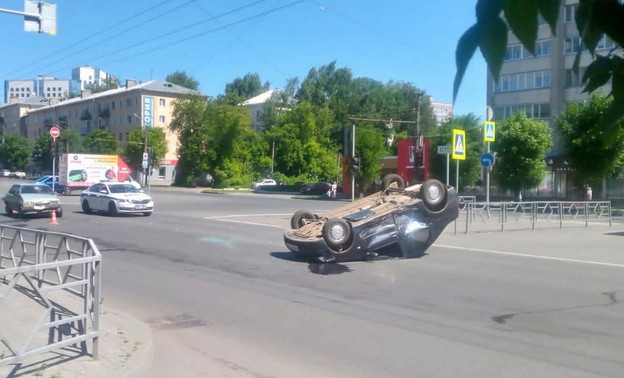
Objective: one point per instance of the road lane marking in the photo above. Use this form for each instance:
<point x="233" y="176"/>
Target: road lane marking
<point x="532" y="256"/>
<point x="219" y="219"/>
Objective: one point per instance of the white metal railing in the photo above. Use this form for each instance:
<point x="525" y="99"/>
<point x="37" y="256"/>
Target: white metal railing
<point x="481" y="216"/>
<point x="50" y="288"/>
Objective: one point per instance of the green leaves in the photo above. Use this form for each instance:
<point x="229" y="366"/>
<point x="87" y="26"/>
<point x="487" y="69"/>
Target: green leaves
<point x="549" y="9"/>
<point x="524" y="22"/>
<point x="466" y="47"/>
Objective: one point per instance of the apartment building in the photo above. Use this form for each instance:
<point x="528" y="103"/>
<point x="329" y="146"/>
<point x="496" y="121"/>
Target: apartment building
<point x="543" y="84"/>
<point x="119" y="111"/>
<point x="43" y="86"/>
<point x="86" y="77"/>
<point x="442" y="111"/>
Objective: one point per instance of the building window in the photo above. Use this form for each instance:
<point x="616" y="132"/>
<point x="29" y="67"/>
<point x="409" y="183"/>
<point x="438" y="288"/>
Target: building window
<point x="514" y="52"/>
<point x="161" y="119"/>
<point x="120" y="137"/>
<point x="570" y="11"/>
<point x="542" y="48"/>
<point x="573" y="45"/>
<point x="128" y="119"/>
<point x="162" y="102"/>
<point x="128" y="102"/>
<point x="113" y="105"/>
<point x="605" y="42"/>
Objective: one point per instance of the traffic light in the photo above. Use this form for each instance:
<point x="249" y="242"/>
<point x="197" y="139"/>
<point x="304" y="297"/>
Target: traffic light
<point x="419" y="159"/>
<point x="355" y="163"/>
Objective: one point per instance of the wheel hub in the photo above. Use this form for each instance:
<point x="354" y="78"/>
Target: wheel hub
<point x="434" y="193"/>
<point x="337" y="232"/>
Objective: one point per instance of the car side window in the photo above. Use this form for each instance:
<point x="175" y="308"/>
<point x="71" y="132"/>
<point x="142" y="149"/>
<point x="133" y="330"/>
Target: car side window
<point x="14" y="190"/>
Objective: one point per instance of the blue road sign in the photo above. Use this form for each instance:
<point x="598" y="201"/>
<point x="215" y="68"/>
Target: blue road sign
<point x="487" y="159"/>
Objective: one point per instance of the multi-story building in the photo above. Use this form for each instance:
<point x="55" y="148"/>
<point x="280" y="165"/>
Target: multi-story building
<point x="118" y="110"/>
<point x="44" y="86"/>
<point x="86" y="77"/>
<point x="543" y="84"/>
<point x="256" y="106"/>
<point x="442" y="111"/>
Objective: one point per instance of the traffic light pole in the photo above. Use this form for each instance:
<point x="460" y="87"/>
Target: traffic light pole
<point x="352" y="155"/>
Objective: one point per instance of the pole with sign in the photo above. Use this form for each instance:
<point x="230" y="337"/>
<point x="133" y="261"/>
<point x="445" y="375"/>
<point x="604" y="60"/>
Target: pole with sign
<point x="54" y="133"/>
<point x="489" y="135"/>
<point x="445" y="150"/>
<point x="459" y="151"/>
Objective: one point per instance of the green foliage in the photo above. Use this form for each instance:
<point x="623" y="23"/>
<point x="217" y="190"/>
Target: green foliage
<point x="370" y="146"/>
<point x="594" y="18"/>
<point x="208" y="133"/>
<point x="521" y="146"/>
<point x="15" y="152"/>
<point x="301" y="144"/>
<point x="586" y="148"/>
<point x="133" y="152"/>
<point x="109" y="83"/>
<point x="182" y="79"/>
<point x="100" y="141"/>
<point x="41" y="153"/>
<point x="470" y="168"/>
<point x="242" y="89"/>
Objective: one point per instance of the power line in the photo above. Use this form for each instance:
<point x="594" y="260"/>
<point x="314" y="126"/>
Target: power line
<point x="89" y="37"/>
<point x="264" y="13"/>
<point x="187" y="27"/>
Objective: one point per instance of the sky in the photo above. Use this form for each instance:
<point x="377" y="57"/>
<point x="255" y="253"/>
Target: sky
<point x="216" y="42"/>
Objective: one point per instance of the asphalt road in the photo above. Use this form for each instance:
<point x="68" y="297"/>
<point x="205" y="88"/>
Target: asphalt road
<point x="210" y="273"/>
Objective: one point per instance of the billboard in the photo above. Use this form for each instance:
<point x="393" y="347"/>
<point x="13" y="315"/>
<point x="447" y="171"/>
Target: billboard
<point x="147" y="113"/>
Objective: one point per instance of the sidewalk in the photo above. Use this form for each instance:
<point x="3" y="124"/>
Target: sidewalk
<point x="125" y="349"/>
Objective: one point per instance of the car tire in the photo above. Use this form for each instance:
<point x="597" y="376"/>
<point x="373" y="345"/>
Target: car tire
<point x="433" y="193"/>
<point x="299" y="218"/>
<point x="112" y="209"/>
<point x="393" y="181"/>
<point x="59" y="213"/>
<point x="337" y="235"/>
<point x="85" y="207"/>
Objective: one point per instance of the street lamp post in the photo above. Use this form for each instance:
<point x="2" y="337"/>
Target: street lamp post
<point x="145" y="166"/>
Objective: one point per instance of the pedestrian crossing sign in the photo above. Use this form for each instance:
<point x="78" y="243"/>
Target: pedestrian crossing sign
<point x="489" y="131"/>
<point x="459" y="144"/>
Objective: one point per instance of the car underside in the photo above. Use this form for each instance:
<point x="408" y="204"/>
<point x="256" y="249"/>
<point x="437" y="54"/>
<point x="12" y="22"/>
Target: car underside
<point x="396" y="221"/>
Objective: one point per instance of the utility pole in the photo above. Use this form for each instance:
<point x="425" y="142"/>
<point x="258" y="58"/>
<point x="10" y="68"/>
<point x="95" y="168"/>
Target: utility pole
<point x="417" y="146"/>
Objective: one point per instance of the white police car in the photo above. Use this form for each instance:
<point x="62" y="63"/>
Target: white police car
<point x="116" y="198"/>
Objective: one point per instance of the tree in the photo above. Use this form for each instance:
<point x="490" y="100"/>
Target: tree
<point x="133" y="152"/>
<point x="15" y="152"/>
<point x="242" y="89"/>
<point x="208" y="133"/>
<point x="182" y="79"/>
<point x="521" y="146"/>
<point x="302" y="147"/>
<point x="110" y="82"/>
<point x="42" y="154"/>
<point x="100" y="141"/>
<point x="586" y="148"/>
<point x="594" y="18"/>
<point x="470" y="168"/>
<point x="370" y="147"/>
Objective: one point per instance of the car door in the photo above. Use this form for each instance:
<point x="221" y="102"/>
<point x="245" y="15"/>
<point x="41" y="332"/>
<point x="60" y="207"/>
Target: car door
<point x="12" y="198"/>
<point x="93" y="197"/>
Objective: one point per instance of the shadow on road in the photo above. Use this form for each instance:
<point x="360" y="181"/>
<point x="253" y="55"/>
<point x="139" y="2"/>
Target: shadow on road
<point x="314" y="266"/>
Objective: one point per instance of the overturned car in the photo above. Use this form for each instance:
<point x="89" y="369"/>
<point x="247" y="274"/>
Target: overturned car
<point x="396" y="221"/>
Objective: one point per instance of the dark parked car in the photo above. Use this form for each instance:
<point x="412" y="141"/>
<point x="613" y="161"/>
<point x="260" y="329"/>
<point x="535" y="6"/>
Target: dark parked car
<point x="32" y="199"/>
<point x="317" y="188"/>
<point x="396" y="221"/>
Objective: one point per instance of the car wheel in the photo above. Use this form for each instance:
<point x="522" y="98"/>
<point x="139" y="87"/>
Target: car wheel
<point x="85" y="207"/>
<point x="112" y="209"/>
<point x="59" y="212"/>
<point x="393" y="181"/>
<point x="337" y="235"/>
<point x="147" y="213"/>
<point x="434" y="195"/>
<point x="299" y="219"/>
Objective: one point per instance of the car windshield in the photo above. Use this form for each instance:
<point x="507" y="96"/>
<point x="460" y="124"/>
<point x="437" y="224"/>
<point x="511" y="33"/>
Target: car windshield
<point x="34" y="189"/>
<point x="125" y="188"/>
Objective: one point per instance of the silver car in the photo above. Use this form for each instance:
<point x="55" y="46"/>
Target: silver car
<point x="31" y="198"/>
